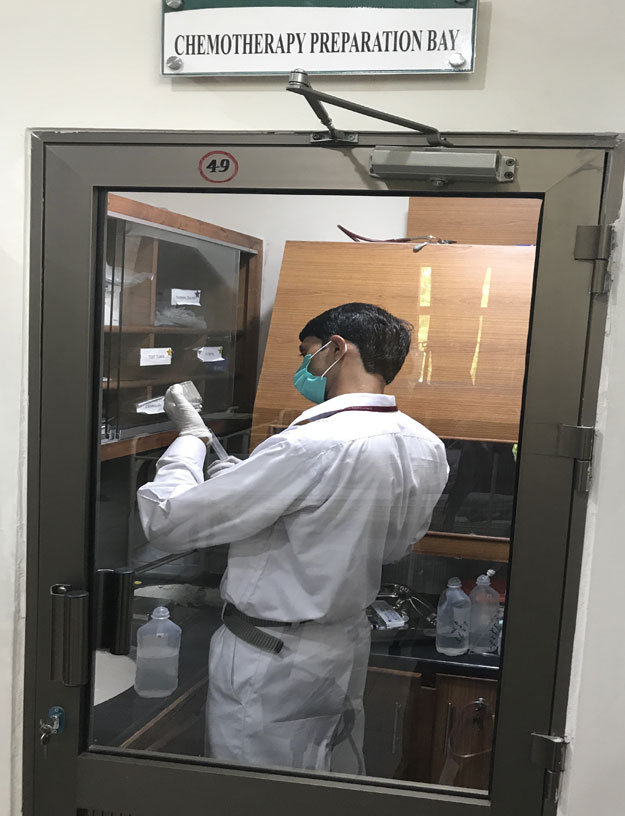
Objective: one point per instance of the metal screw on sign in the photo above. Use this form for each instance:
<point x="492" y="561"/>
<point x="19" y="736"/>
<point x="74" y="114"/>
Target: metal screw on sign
<point x="174" y="63"/>
<point x="456" y="59"/>
<point x="458" y="2"/>
<point x="176" y="4"/>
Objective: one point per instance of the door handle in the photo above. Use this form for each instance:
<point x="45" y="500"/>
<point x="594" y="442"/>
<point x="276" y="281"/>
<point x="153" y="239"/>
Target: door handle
<point x="114" y="592"/>
<point x="113" y="609"/>
<point x="69" y="620"/>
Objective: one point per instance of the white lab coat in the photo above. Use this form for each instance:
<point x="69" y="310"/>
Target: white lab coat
<point x="311" y="516"/>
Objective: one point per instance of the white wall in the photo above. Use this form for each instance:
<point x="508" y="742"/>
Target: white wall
<point x="597" y="695"/>
<point x="280" y="218"/>
<point x="542" y="66"/>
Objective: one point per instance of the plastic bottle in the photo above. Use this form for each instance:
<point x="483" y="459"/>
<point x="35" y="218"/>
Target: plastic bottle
<point x="452" y="620"/>
<point x="484" y="627"/>
<point x="158" y="649"/>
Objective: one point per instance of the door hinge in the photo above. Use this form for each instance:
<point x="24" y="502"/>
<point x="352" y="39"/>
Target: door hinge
<point x="576" y="442"/>
<point x="594" y="243"/>
<point x="549" y="752"/>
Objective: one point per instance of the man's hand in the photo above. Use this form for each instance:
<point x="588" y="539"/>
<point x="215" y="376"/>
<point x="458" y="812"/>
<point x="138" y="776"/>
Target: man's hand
<point x="183" y="414"/>
<point x="220" y="465"/>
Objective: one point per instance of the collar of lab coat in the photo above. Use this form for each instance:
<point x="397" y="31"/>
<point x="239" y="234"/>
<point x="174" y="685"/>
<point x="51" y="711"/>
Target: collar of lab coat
<point x="343" y="401"/>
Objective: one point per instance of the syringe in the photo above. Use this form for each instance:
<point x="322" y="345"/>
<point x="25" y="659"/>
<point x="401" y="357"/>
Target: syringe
<point x="218" y="447"/>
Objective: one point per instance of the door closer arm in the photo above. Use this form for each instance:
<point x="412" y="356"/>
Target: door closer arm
<point x="300" y="84"/>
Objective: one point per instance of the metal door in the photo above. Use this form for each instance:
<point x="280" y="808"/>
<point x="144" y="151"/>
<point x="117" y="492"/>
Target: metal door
<point x="578" y="180"/>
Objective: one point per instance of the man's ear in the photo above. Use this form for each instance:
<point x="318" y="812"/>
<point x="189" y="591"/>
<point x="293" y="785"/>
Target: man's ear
<point x="339" y="344"/>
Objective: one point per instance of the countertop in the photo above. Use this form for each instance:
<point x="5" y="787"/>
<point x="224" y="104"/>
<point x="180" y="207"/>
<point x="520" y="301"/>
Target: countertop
<point x="118" y="718"/>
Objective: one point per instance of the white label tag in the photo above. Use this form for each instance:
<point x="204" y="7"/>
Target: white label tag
<point x="152" y="406"/>
<point x="391" y="618"/>
<point x="210" y="354"/>
<point x="186" y="297"/>
<point x="155" y="356"/>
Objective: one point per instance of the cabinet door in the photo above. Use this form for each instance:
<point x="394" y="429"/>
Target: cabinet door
<point x="391" y="699"/>
<point x="463" y="731"/>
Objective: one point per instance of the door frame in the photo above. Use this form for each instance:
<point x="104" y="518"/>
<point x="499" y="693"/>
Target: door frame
<point x="579" y="179"/>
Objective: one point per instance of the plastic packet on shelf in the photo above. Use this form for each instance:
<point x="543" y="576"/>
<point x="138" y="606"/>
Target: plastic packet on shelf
<point x="178" y="316"/>
<point x="151" y="406"/>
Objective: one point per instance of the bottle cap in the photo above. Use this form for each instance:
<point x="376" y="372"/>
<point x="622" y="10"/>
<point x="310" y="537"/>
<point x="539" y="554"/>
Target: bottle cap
<point x="454" y="582"/>
<point x="160" y="613"/>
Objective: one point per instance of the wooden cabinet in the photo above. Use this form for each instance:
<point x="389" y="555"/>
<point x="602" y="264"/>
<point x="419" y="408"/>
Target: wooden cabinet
<point x="463" y="731"/>
<point x="439" y="734"/>
<point x="174" y="285"/>
<point x="391" y="701"/>
<point x="497" y="221"/>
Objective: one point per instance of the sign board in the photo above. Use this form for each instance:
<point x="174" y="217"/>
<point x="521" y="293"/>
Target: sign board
<point x="263" y="37"/>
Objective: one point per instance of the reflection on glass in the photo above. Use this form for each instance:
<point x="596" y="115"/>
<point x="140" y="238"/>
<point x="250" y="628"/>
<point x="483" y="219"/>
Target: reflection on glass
<point x="324" y="658"/>
<point x="479" y="495"/>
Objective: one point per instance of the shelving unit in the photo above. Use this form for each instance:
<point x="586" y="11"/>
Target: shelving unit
<point x="149" y="252"/>
<point x="164" y="330"/>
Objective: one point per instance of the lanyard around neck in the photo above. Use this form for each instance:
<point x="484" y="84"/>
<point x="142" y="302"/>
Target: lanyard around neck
<point x="378" y="409"/>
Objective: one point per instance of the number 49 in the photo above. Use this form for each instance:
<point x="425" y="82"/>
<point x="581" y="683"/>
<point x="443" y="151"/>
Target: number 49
<point x="218" y="167"/>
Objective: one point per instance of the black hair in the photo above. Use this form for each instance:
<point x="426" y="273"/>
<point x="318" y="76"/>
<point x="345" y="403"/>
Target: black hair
<point x="382" y="339"/>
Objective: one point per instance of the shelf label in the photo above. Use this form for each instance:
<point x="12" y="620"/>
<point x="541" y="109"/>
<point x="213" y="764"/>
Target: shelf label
<point x="155" y="356"/>
<point x="185" y="297"/>
<point x="210" y="354"/>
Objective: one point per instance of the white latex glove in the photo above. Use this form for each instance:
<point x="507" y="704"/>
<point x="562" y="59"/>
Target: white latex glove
<point x="221" y="465"/>
<point x="183" y="414"/>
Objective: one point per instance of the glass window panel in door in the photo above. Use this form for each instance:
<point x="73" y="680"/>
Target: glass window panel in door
<point x="367" y="690"/>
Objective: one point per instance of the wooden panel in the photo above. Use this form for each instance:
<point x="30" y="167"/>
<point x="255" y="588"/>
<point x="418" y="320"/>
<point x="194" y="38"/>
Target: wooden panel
<point x="160" y="439"/>
<point x="470" y="307"/>
<point x="498" y="221"/>
<point x="248" y="326"/>
<point x="464" y="546"/>
<point x="119" y="205"/>
<point x="416" y="765"/>
<point x="138" y="300"/>
<point x="463" y="732"/>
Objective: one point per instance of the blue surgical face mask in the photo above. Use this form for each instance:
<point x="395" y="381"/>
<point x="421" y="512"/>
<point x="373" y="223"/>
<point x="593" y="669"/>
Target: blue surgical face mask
<point x="312" y="386"/>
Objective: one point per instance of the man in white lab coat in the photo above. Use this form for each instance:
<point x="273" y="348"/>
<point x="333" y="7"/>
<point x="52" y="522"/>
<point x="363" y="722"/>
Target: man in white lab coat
<point x="311" y="516"/>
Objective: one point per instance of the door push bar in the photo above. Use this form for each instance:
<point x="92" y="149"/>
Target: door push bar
<point x="113" y="609"/>
<point x="70" y="623"/>
<point x="112" y="619"/>
<point x="114" y="596"/>
<point x="300" y="84"/>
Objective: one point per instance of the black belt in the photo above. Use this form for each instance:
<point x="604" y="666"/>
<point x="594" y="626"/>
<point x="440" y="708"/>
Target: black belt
<point x="246" y="627"/>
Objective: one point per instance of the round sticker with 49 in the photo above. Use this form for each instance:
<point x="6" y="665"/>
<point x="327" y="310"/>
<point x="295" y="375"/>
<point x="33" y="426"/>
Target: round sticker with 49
<point x="217" y="166"/>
